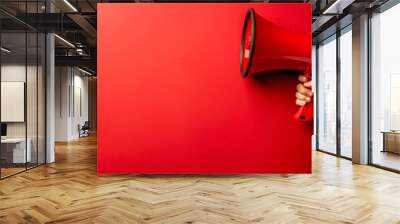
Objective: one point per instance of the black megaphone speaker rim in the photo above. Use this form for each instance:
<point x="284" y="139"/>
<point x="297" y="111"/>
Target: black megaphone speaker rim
<point x="250" y="17"/>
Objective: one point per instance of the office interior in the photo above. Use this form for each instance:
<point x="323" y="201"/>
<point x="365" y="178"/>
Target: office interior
<point x="334" y="76"/>
<point x="30" y="56"/>
<point x="49" y="84"/>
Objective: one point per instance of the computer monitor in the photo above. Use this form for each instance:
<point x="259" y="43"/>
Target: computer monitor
<point x="3" y="130"/>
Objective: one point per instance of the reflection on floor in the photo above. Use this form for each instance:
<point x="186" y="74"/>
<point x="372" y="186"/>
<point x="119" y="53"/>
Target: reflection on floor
<point x="387" y="159"/>
<point x="8" y="170"/>
<point x="70" y="191"/>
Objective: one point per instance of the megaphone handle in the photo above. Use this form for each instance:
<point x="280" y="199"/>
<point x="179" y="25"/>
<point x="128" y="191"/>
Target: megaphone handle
<point x="306" y="112"/>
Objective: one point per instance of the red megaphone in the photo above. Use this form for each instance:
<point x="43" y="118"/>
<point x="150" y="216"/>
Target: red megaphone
<point x="268" y="47"/>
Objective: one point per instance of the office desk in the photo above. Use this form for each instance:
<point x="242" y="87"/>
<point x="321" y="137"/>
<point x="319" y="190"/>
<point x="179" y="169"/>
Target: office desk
<point x="391" y="141"/>
<point x="13" y="150"/>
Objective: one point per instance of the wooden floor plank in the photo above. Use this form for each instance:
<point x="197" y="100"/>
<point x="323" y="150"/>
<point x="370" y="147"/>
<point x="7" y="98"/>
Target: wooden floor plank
<point x="70" y="191"/>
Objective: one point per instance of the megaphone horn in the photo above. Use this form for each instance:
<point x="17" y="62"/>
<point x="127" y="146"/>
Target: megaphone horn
<point x="268" y="47"/>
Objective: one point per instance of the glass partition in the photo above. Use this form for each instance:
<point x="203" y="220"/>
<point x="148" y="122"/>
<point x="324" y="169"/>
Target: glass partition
<point x="22" y="88"/>
<point x="32" y="84"/>
<point x="14" y="153"/>
<point x="31" y="100"/>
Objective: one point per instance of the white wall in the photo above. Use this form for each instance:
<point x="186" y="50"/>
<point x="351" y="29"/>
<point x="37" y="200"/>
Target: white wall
<point x="33" y="127"/>
<point x="71" y="102"/>
<point x="10" y="73"/>
<point x="16" y="73"/>
<point x="62" y="81"/>
<point x="81" y="84"/>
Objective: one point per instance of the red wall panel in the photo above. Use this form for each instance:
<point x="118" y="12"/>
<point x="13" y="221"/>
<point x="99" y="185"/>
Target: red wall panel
<point x="171" y="98"/>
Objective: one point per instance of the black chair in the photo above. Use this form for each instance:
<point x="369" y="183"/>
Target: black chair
<point x="84" y="130"/>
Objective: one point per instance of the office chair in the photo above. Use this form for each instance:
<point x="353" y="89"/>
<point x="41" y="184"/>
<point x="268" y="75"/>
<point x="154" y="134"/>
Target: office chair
<point x="84" y="130"/>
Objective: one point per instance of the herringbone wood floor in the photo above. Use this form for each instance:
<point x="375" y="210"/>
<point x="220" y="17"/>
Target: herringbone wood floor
<point x="70" y="191"/>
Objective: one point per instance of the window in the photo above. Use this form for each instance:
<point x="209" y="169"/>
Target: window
<point x="346" y="92"/>
<point x="327" y="95"/>
<point x="385" y="89"/>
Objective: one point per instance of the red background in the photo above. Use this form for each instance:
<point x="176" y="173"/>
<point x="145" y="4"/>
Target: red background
<point x="171" y="98"/>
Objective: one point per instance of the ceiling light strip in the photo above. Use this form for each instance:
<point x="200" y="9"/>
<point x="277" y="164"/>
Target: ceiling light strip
<point x="70" y="5"/>
<point x="5" y="50"/>
<point x="337" y="7"/>
<point x="84" y="71"/>
<point x="64" y="40"/>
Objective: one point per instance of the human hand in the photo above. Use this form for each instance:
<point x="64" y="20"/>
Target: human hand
<point x="304" y="92"/>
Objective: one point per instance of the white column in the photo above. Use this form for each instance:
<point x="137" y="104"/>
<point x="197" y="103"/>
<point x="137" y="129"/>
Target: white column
<point x="50" y="99"/>
<point x="360" y="90"/>
<point x="50" y="92"/>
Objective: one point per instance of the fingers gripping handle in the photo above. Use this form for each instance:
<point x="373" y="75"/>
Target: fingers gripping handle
<point x="306" y="112"/>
